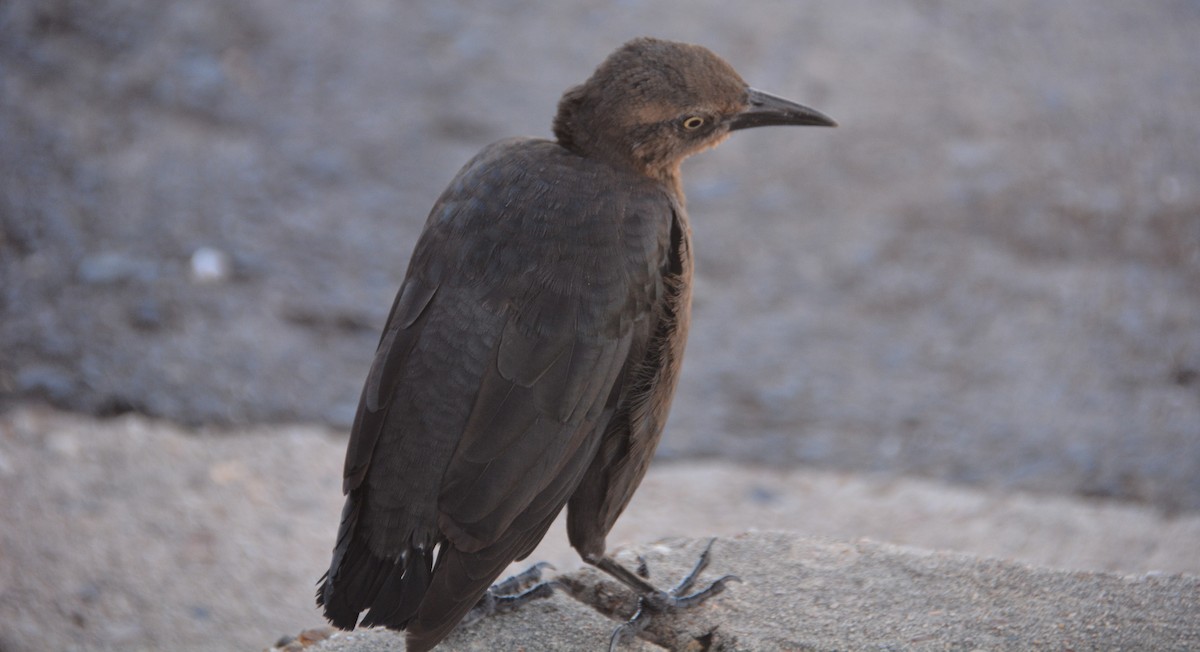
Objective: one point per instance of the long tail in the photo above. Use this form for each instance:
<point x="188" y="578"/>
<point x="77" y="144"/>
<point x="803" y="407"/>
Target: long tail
<point x="414" y="593"/>
<point x="459" y="582"/>
<point x="461" y="578"/>
<point x="358" y="580"/>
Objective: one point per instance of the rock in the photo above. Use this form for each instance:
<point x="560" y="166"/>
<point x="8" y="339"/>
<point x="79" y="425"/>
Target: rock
<point x="801" y="593"/>
<point x="111" y="268"/>
<point x="211" y="539"/>
<point x="45" y="380"/>
<point x="556" y="623"/>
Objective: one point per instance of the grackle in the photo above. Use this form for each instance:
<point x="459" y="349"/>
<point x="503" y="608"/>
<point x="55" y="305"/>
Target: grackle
<point x="530" y="356"/>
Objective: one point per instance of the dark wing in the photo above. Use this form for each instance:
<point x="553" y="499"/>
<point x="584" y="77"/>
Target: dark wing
<point x="632" y="434"/>
<point x="493" y="381"/>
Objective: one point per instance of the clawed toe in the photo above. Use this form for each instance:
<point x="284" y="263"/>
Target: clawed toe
<point x="630" y="628"/>
<point x="513" y="592"/>
<point x="523" y="580"/>
<point x="654" y="601"/>
<point x="664" y="602"/>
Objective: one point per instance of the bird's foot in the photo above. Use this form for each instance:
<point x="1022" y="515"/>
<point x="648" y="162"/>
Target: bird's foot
<point x="652" y="601"/>
<point x="513" y="592"/>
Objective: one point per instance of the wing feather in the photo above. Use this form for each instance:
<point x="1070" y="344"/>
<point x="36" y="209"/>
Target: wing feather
<point x="501" y="364"/>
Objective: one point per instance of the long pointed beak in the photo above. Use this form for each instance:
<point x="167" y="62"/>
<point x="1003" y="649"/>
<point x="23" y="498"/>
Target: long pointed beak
<point x="766" y="110"/>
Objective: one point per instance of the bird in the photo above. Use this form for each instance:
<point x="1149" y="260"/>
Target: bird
<point x="530" y="356"/>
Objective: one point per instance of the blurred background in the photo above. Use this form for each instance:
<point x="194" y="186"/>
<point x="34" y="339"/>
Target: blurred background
<point x="988" y="276"/>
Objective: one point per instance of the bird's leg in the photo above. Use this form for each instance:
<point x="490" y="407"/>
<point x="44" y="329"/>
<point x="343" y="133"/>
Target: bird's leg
<point x="513" y="592"/>
<point x="652" y="600"/>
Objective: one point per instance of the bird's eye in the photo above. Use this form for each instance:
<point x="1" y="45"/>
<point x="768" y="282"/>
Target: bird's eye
<point x="693" y="123"/>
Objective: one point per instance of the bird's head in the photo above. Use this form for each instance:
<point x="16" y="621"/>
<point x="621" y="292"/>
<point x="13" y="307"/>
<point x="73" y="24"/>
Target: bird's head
<point x="653" y="103"/>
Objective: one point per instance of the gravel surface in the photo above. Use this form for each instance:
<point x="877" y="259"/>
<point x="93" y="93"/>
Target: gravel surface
<point x="137" y="534"/>
<point x="987" y="275"/>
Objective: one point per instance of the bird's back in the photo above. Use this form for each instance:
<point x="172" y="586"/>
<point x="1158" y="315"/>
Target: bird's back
<point x="534" y="290"/>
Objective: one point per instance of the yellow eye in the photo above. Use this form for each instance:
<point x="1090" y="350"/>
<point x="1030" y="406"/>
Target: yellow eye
<point x="693" y="123"/>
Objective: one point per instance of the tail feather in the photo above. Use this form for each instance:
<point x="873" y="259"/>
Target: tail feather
<point x="460" y="580"/>
<point x="412" y="592"/>
<point x="358" y="580"/>
<point x="400" y="595"/>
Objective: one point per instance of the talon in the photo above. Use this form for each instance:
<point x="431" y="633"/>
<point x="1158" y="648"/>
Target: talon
<point x="654" y="601"/>
<point x="718" y="586"/>
<point x="629" y="628"/>
<point x="506" y="603"/>
<point x="505" y="596"/>
<point x="701" y="564"/>
<point x="522" y="580"/>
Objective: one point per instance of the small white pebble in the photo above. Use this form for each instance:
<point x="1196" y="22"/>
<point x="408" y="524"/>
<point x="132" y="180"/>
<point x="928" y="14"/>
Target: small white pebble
<point x="209" y="265"/>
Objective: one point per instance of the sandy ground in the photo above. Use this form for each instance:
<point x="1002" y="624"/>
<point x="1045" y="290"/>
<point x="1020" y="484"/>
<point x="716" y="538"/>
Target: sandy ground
<point x="135" y="534"/>
<point x="987" y="275"/>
